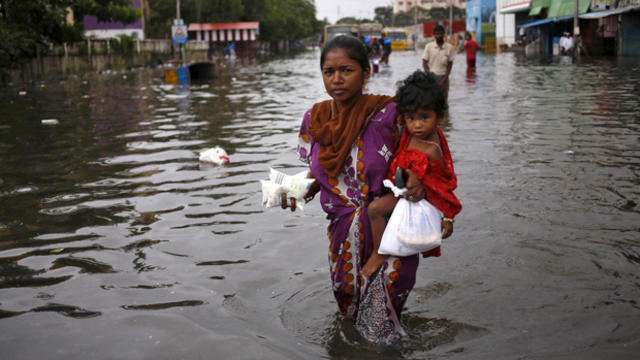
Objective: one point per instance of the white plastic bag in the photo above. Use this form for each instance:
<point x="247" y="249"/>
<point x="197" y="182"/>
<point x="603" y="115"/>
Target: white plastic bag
<point x="414" y="227"/>
<point x="295" y="186"/>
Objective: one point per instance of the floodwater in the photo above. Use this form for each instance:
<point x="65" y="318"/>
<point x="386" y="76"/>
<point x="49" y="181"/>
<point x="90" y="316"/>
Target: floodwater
<point x="117" y="243"/>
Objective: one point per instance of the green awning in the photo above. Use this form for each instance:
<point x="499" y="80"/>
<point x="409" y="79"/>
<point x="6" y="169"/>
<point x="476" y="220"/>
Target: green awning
<point x="538" y="5"/>
<point x="567" y="7"/>
<point x="535" y="10"/>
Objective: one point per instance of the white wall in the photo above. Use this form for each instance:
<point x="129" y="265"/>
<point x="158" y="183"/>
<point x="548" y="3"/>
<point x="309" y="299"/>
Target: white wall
<point x="107" y="34"/>
<point x="505" y="26"/>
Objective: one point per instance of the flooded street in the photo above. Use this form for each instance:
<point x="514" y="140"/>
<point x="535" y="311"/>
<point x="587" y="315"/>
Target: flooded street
<point x="117" y="243"/>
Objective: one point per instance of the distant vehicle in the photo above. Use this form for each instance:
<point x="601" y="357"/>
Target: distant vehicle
<point x="332" y="31"/>
<point x="372" y="30"/>
<point x="398" y="36"/>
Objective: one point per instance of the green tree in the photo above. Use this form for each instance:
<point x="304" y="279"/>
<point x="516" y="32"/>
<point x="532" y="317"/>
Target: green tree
<point x="443" y="14"/>
<point x="279" y="19"/>
<point x="348" y="20"/>
<point x="105" y="10"/>
<point x="27" y="27"/>
<point x="383" y="15"/>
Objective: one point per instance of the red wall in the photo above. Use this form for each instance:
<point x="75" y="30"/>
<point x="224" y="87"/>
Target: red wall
<point x="427" y="28"/>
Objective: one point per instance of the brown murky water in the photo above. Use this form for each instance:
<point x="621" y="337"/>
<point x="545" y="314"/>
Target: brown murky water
<point x="117" y="243"/>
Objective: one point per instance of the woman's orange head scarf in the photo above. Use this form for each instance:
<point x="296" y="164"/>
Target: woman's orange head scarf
<point x="336" y="132"/>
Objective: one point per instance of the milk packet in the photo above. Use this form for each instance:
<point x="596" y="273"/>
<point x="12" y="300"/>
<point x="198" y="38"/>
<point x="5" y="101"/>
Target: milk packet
<point x="295" y="186"/>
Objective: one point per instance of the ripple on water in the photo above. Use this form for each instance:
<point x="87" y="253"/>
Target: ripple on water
<point x="548" y="173"/>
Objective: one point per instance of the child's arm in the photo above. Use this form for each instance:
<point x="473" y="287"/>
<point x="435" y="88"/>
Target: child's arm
<point x="415" y="191"/>
<point x="447" y="227"/>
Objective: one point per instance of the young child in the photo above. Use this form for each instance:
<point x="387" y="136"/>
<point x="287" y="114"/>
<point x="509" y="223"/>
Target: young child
<point x="424" y="151"/>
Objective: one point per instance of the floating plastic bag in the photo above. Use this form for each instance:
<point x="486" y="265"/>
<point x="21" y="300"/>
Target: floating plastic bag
<point x="295" y="186"/>
<point x="414" y="227"/>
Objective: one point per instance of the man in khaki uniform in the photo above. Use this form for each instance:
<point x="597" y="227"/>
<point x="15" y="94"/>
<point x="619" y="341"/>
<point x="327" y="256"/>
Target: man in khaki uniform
<point x="438" y="58"/>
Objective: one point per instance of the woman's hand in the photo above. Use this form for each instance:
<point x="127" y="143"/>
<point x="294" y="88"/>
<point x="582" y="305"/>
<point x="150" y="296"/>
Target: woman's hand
<point x="415" y="191"/>
<point x="313" y="190"/>
<point x="447" y="228"/>
<point x="283" y="202"/>
<point x="311" y="193"/>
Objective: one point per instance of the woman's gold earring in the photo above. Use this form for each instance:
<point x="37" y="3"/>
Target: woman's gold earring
<point x="364" y="86"/>
<point x="325" y="91"/>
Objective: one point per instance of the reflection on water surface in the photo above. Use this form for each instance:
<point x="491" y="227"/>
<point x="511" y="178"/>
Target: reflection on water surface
<point x="111" y="230"/>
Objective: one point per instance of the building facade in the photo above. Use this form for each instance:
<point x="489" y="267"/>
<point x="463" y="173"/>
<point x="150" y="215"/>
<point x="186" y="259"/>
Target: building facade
<point x="106" y="30"/>
<point x="407" y="5"/>
<point x="481" y="20"/>
<point x="605" y="27"/>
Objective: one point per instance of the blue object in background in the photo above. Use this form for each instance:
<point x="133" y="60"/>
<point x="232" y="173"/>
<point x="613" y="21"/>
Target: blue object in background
<point x="183" y="75"/>
<point x="387" y="41"/>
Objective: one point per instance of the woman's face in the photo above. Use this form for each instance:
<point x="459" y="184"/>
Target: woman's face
<point x="343" y="77"/>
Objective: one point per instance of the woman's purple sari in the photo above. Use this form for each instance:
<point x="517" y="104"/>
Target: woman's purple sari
<point x="345" y="200"/>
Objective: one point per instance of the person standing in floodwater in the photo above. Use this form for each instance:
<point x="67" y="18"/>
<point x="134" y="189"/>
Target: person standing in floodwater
<point x="471" y="48"/>
<point x="348" y="142"/>
<point x="386" y="49"/>
<point x="438" y="58"/>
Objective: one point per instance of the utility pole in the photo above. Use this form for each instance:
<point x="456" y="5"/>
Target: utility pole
<point x="451" y="19"/>
<point x="576" y="31"/>
<point x="179" y="22"/>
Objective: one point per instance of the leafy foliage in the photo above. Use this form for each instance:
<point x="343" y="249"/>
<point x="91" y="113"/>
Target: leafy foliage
<point x="383" y="15"/>
<point x="107" y="10"/>
<point x="279" y="19"/>
<point x="27" y="27"/>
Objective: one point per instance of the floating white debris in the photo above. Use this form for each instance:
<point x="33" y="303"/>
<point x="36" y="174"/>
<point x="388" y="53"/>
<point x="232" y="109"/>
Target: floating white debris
<point x="49" y="122"/>
<point x="568" y="151"/>
<point x="176" y="96"/>
<point x="215" y="155"/>
<point x="22" y="93"/>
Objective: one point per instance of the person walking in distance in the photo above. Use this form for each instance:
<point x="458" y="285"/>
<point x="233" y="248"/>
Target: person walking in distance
<point x="438" y="58"/>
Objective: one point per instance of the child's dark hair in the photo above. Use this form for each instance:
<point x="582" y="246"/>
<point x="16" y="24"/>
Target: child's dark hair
<point x="354" y="48"/>
<point x="421" y="90"/>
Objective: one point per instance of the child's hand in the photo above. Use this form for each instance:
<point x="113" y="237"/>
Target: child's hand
<point x="415" y="191"/>
<point x="447" y="229"/>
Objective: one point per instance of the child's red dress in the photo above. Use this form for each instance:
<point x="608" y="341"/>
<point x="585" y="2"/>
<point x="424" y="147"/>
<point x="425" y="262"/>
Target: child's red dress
<point x="438" y="181"/>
